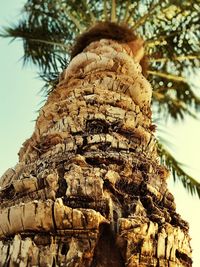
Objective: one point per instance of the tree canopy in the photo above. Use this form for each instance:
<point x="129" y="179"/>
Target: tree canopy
<point x="171" y="33"/>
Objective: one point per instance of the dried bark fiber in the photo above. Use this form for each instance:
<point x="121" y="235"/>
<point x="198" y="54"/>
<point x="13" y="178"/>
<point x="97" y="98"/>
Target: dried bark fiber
<point x="88" y="189"/>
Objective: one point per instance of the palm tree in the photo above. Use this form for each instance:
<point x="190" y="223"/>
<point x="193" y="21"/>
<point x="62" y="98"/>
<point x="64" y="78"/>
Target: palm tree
<point x="89" y="189"/>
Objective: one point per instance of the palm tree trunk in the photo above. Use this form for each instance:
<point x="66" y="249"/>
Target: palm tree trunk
<point x="88" y="189"/>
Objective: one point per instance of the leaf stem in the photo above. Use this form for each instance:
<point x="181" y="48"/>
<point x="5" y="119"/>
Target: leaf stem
<point x="167" y="76"/>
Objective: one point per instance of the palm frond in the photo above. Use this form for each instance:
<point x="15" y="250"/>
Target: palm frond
<point x="167" y="76"/>
<point x="189" y="183"/>
<point x="113" y="11"/>
<point x="152" y="8"/>
<point x="171" y="106"/>
<point x="130" y="11"/>
<point x="105" y="11"/>
<point x="179" y="58"/>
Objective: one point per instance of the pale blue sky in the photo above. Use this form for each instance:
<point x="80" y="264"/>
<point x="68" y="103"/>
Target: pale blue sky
<point x="20" y="100"/>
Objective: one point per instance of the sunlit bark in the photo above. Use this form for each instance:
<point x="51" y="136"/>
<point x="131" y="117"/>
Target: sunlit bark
<point x="88" y="189"/>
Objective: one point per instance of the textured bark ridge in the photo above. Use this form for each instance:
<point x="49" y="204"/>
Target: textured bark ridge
<point x="88" y="189"/>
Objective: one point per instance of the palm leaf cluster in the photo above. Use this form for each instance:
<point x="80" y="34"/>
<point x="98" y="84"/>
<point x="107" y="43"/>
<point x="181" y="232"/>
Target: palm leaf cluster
<point x="177" y="171"/>
<point x="170" y="28"/>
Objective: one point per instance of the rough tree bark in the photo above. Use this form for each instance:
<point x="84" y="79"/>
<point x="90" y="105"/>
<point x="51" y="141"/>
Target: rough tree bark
<point x="88" y="189"/>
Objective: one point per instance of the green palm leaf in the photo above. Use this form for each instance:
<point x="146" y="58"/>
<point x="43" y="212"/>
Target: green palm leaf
<point x="177" y="171"/>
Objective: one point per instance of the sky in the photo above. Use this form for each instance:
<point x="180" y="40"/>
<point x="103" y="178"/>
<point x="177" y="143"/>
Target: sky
<point x="20" y="99"/>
